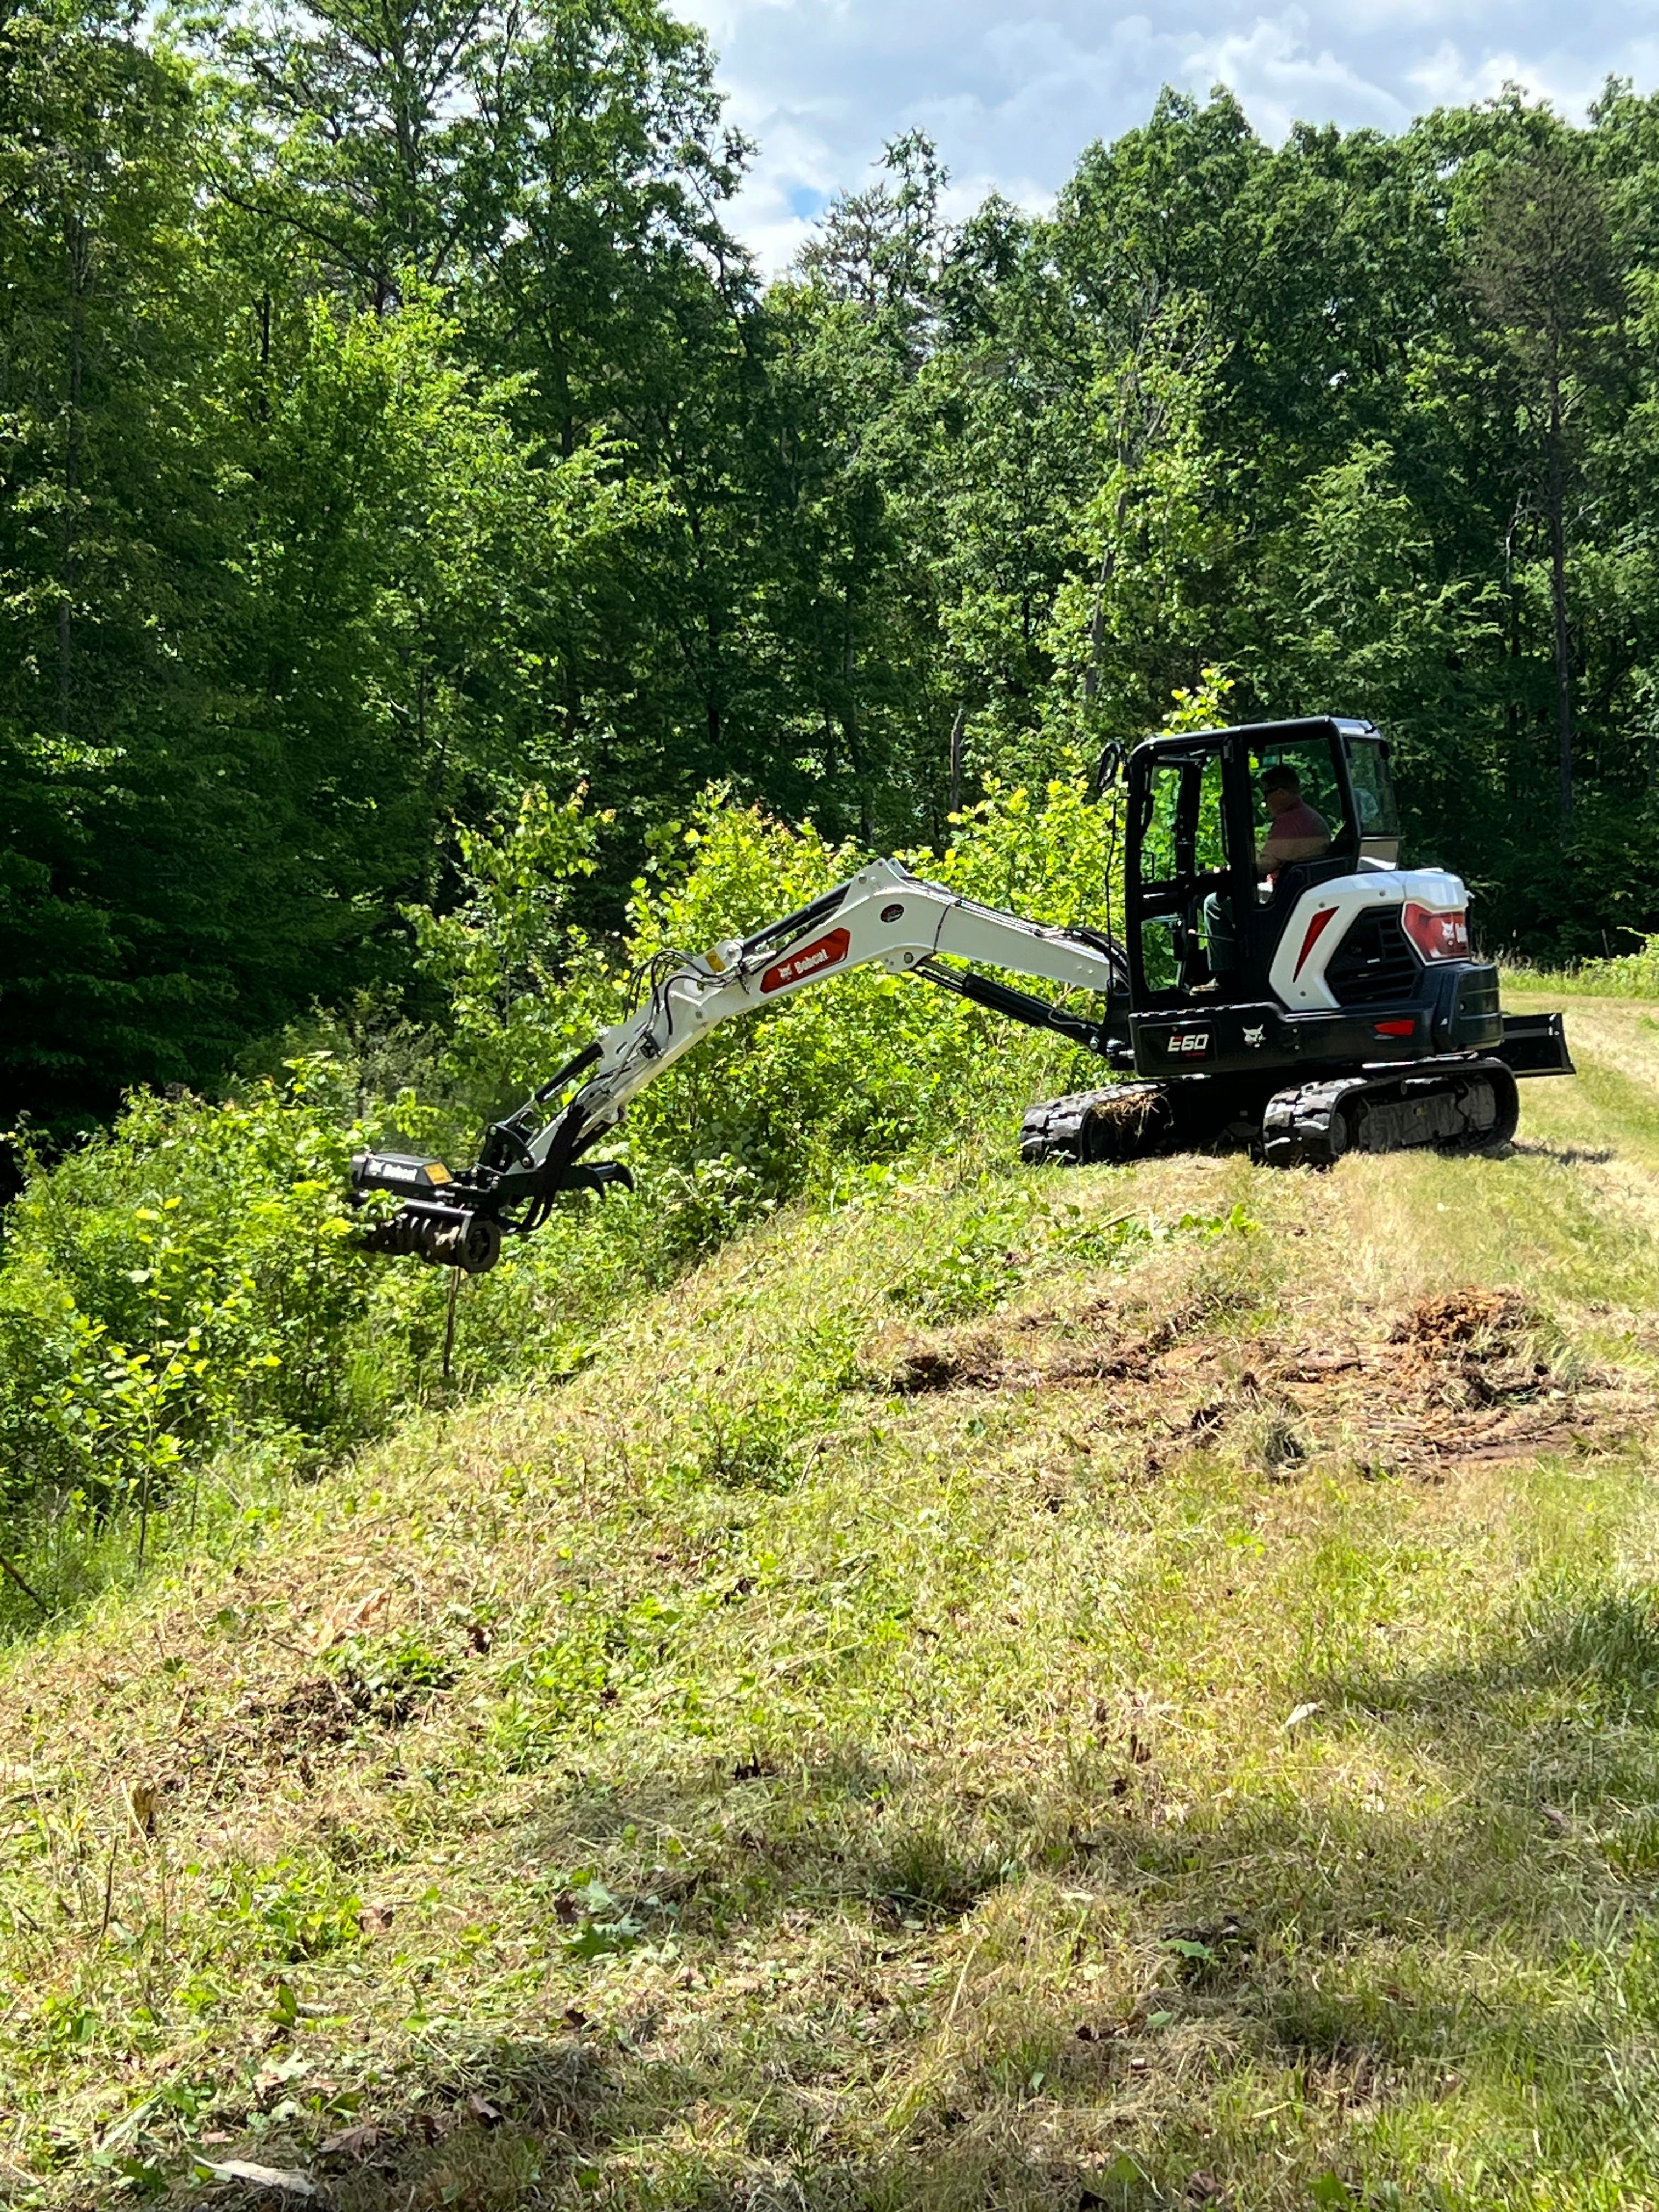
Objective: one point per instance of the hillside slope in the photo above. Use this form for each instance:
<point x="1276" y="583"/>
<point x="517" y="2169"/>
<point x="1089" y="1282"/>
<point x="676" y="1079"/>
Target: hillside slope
<point x="1131" y="1688"/>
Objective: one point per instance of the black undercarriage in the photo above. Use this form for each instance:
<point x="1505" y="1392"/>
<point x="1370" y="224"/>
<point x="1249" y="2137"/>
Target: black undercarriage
<point x="1454" y="1103"/>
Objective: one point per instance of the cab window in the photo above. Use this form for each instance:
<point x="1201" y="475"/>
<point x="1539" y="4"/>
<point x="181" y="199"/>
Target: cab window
<point x="1182" y="858"/>
<point x="1184" y="833"/>
<point x="1373" y="797"/>
<point x="1210" y="831"/>
<point x="1313" y="765"/>
<point x="1158" y="837"/>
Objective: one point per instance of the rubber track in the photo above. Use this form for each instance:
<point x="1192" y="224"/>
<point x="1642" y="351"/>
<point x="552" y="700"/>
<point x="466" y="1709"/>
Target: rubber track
<point x="1470" y="1106"/>
<point x="1122" y="1121"/>
<point x="1457" y="1106"/>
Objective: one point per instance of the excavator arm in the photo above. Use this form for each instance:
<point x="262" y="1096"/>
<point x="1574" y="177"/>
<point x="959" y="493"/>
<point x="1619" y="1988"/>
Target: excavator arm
<point x="883" y="913"/>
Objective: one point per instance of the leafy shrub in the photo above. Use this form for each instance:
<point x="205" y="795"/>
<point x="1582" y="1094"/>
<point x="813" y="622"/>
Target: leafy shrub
<point x="983" y="1263"/>
<point x="757" y="1443"/>
<point x="389" y="1677"/>
<point x="188" y="1283"/>
<point x="560" y="1686"/>
<point x="1626" y="975"/>
<point x="872" y="1067"/>
<point x="523" y="986"/>
<point x="188" y="1273"/>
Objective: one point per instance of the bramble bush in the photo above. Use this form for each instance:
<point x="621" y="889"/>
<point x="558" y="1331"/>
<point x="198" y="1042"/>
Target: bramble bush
<point x="184" y="1276"/>
<point x="187" y="1286"/>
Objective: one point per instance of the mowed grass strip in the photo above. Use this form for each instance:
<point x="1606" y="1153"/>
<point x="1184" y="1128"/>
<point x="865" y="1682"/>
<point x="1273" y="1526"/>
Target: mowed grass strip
<point x="1138" y="1687"/>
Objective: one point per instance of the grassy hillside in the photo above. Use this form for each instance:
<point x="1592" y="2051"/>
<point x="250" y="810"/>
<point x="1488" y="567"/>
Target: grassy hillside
<point x="1132" y="1688"/>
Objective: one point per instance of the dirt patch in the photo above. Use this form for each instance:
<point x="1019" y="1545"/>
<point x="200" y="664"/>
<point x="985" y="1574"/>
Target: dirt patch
<point x="911" y="1363"/>
<point x="1442" y="1325"/>
<point x="311" y="1715"/>
<point x="1470" y="1375"/>
<point x="1026" y="1354"/>
<point x="1467" y="1376"/>
<point x="1475" y="1350"/>
<point x="319" y="1713"/>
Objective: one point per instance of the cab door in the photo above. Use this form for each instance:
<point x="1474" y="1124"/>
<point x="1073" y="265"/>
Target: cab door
<point x="1181" y="840"/>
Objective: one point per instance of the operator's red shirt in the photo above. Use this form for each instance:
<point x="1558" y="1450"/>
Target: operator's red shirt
<point x="1298" y="834"/>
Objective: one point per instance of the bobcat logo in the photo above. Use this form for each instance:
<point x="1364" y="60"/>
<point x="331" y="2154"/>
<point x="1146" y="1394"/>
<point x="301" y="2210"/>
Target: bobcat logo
<point x="1256" y="1038"/>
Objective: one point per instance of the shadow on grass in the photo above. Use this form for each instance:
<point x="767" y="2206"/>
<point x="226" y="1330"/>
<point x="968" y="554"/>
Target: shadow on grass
<point x="1567" y="1155"/>
<point x="1473" y="1977"/>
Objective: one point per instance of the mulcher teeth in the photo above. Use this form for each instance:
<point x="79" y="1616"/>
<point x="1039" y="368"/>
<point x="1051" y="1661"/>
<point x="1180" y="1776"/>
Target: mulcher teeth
<point x="442" y="1235"/>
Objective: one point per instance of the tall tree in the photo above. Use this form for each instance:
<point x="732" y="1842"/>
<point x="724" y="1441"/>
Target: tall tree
<point x="1541" y="269"/>
<point x="106" y="481"/>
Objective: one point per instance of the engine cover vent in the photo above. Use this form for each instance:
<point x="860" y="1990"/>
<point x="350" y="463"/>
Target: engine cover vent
<point x="1374" y="962"/>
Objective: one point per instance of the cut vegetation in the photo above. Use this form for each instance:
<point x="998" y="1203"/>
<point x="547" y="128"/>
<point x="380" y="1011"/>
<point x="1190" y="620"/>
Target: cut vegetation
<point x="1132" y="1688"/>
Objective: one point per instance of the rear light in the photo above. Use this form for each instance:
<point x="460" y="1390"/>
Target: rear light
<point x="1394" y="1029"/>
<point x="1438" y="936"/>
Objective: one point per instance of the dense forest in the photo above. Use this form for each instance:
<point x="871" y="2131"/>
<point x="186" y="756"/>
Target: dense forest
<point x="390" y="421"/>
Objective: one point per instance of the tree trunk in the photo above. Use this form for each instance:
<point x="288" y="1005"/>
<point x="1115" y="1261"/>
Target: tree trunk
<point x="1098" y="619"/>
<point x="1557" y="498"/>
<point x="849" y="720"/>
<point x="76" y="243"/>
<point x="1515" y="768"/>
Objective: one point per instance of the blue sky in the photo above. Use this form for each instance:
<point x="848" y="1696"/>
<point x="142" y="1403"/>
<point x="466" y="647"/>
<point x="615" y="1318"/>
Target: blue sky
<point x="1012" y="94"/>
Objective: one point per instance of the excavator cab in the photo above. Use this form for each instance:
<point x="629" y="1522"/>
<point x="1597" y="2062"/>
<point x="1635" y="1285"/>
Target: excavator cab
<point x="1204" y="915"/>
<point x="1289" y="982"/>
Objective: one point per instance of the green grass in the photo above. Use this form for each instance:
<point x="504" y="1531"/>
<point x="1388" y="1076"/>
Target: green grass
<point x="1071" y="1689"/>
<point x="1620" y="975"/>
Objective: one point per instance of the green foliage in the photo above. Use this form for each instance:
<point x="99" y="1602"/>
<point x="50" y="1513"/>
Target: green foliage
<point x="505" y="958"/>
<point x="389" y="1677"/>
<point x="851" y="1073"/>
<point x="995" y="1245"/>
<point x="436" y="574"/>
<point x="1624" y="975"/>
<point x="605" y="1927"/>
<point x="388" y="423"/>
<point x="753" y="1443"/>
<point x="287" y="1911"/>
<point x="559" y="1687"/>
<point x="983" y="1264"/>
<point x="871" y="1069"/>
<point x="187" y="1286"/>
<point x="184" y="1278"/>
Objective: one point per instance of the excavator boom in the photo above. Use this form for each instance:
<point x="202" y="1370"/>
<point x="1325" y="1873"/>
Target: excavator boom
<point x="882" y="914"/>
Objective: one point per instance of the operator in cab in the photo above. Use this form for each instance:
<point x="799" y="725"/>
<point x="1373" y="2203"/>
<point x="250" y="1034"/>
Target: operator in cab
<point x="1295" y="832"/>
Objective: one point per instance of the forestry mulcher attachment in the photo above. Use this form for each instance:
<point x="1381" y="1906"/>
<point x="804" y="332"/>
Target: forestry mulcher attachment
<point x="1282" y="983"/>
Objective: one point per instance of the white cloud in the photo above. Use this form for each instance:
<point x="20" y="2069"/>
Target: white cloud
<point x="1013" y="94"/>
<point x="1280" y="80"/>
<point x="1447" y="78"/>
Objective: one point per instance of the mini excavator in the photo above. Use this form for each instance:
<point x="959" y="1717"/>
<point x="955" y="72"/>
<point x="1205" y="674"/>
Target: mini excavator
<point x="1300" y="994"/>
